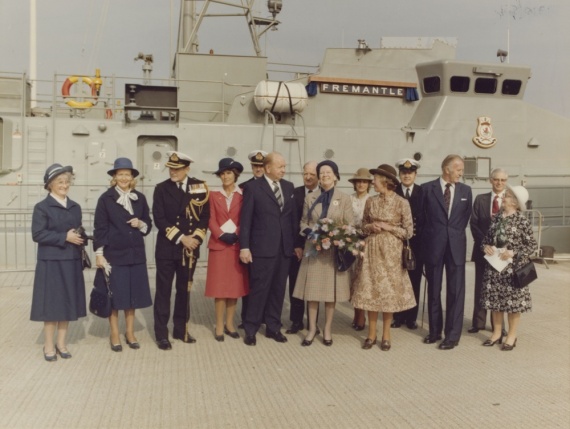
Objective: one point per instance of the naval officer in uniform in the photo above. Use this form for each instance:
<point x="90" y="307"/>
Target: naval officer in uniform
<point x="181" y="213"/>
<point x="412" y="192"/>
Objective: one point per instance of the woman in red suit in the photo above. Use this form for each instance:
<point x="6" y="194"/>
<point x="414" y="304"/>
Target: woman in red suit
<point x="227" y="279"/>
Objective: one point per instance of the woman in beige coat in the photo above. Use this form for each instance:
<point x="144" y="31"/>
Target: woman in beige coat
<point x="319" y="279"/>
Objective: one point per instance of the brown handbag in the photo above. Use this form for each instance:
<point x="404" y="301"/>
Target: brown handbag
<point x="408" y="258"/>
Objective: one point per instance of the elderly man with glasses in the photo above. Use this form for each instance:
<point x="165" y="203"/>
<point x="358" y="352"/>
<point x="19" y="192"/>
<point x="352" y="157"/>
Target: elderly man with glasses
<point x="485" y="207"/>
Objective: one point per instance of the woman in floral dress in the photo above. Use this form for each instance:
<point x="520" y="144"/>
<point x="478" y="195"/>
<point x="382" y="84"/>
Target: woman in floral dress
<point x="381" y="283"/>
<point x="511" y="233"/>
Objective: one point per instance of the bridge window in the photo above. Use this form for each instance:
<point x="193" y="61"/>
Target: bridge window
<point x="485" y="85"/>
<point x="432" y="84"/>
<point x="511" y="87"/>
<point x="459" y="83"/>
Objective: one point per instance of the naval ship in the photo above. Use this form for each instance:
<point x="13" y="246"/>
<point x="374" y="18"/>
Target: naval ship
<point x="360" y="107"/>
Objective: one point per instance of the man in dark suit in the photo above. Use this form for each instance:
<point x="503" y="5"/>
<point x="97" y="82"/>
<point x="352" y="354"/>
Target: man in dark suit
<point x="484" y="207"/>
<point x="447" y="208"/>
<point x="408" y="168"/>
<point x="310" y="183"/>
<point x="256" y="158"/>
<point x="269" y="226"/>
<point x="181" y="212"/>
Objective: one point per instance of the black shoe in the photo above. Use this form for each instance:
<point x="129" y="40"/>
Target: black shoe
<point x="189" y="339"/>
<point x="219" y="338"/>
<point x="491" y="343"/>
<point x="504" y="333"/>
<point x="134" y="345"/>
<point x="359" y="327"/>
<point x="230" y="333"/>
<point x="240" y="326"/>
<point x="412" y="325"/>
<point x="115" y="347"/>
<point x="164" y="344"/>
<point x="327" y="342"/>
<point x="250" y="340"/>
<point x="507" y="347"/>
<point x="50" y="358"/>
<point x="295" y="327"/>
<point x="448" y="344"/>
<point x="368" y="343"/>
<point x="277" y="336"/>
<point x="430" y="340"/>
<point x="395" y="324"/>
<point x="473" y="330"/>
<point x="64" y="355"/>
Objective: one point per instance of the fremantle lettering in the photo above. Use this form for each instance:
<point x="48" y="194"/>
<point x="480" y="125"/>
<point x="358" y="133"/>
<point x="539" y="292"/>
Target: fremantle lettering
<point x="386" y="91"/>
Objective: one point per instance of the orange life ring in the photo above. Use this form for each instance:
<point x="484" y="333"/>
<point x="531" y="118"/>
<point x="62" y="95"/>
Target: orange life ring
<point x="69" y="82"/>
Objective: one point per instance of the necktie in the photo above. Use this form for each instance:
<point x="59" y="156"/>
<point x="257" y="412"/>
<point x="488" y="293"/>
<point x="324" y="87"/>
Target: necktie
<point x="277" y="193"/>
<point x="447" y="196"/>
<point x="180" y="186"/>
<point x="495" y="208"/>
<point x="407" y="193"/>
<point x="309" y="191"/>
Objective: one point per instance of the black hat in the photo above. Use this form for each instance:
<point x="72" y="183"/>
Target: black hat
<point x="386" y="171"/>
<point x="123" y="163"/>
<point x="228" y="164"/>
<point x="55" y="170"/>
<point x="331" y="164"/>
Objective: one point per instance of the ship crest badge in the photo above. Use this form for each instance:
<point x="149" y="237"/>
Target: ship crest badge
<point x="484" y="138"/>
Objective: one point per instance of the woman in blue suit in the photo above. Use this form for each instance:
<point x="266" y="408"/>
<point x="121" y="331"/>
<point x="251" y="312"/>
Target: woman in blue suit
<point x="122" y="219"/>
<point x="59" y="288"/>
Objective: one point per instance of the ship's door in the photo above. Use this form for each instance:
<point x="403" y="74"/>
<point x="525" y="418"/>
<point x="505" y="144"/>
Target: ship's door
<point x="151" y="159"/>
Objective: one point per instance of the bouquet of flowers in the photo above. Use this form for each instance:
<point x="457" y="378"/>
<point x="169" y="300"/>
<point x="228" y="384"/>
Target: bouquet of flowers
<point x="327" y="233"/>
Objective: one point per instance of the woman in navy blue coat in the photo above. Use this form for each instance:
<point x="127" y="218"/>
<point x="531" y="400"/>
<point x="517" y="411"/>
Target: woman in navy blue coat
<point x="59" y="288"/>
<point x="122" y="219"/>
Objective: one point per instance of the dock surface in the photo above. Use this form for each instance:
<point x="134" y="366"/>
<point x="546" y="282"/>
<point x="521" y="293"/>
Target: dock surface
<point x="226" y="384"/>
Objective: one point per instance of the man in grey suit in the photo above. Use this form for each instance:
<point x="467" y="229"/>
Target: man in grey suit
<point x="484" y="207"/>
<point x="269" y="225"/>
<point x="447" y="208"/>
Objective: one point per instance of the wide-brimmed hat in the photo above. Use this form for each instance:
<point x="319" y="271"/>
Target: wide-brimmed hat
<point x="256" y="157"/>
<point x="331" y="164"/>
<point x="123" y="164"/>
<point x="177" y="159"/>
<point x="361" y="174"/>
<point x="521" y="194"/>
<point x="55" y="170"/>
<point x="386" y="170"/>
<point x="228" y="164"/>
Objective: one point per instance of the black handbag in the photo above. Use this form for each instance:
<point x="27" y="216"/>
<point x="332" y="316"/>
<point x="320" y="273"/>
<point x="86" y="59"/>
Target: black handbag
<point x="525" y="275"/>
<point x="100" y="302"/>
<point x="408" y="258"/>
<point x="344" y="259"/>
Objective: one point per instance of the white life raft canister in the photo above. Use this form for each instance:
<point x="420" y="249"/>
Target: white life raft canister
<point x="280" y="97"/>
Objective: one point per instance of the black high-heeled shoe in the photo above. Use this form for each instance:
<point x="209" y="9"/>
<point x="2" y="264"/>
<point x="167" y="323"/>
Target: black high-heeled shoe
<point x="134" y="345"/>
<point x="507" y="347"/>
<point x="491" y="343"/>
<point x="50" y="358"/>
<point x="368" y="343"/>
<point x="64" y="355"/>
<point x="234" y="334"/>
<point x="306" y="342"/>
<point x="115" y="347"/>
<point x="327" y="342"/>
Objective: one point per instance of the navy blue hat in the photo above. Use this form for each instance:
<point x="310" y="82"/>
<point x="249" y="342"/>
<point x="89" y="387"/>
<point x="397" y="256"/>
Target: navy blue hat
<point x="228" y="164"/>
<point x="331" y="164"/>
<point x="55" y="170"/>
<point x="123" y="163"/>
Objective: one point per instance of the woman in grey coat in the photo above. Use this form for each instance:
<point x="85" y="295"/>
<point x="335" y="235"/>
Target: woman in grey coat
<point x="59" y="288"/>
<point x="319" y="279"/>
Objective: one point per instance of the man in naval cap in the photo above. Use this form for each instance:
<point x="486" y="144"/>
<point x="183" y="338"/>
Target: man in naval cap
<point x="181" y="212"/>
<point x="407" y="170"/>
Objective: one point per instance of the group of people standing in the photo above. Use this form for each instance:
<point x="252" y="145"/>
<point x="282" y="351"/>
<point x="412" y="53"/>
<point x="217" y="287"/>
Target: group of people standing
<point x="260" y="237"/>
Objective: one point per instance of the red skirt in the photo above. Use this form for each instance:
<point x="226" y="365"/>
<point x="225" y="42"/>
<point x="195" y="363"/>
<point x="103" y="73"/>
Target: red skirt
<point x="226" y="277"/>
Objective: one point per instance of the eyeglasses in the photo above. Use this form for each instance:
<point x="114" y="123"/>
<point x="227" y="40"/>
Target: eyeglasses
<point x="499" y="180"/>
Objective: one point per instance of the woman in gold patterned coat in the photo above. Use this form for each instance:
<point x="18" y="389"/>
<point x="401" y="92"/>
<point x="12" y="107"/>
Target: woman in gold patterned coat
<point x="381" y="283"/>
